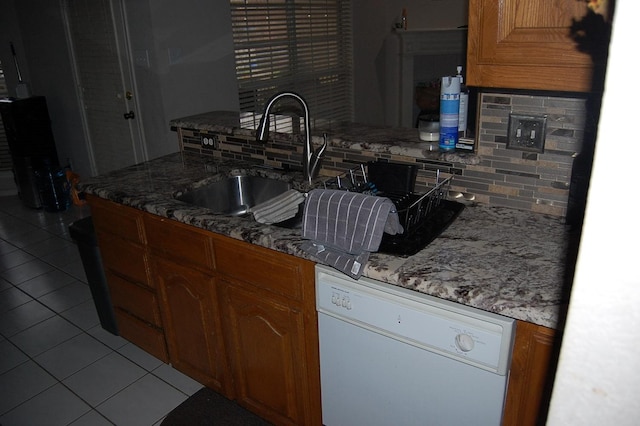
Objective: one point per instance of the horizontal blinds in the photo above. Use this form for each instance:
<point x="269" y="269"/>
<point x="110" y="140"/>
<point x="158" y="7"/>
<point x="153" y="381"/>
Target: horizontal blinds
<point x="294" y="45"/>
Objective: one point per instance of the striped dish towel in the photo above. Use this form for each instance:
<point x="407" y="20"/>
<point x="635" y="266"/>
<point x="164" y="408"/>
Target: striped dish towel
<point x="342" y="228"/>
<point x="279" y="208"/>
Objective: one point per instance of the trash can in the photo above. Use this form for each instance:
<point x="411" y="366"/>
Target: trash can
<point x="53" y="187"/>
<point x="83" y="233"/>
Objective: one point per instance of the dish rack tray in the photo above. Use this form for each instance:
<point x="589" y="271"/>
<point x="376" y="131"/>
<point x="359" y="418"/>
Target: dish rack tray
<point x="413" y="208"/>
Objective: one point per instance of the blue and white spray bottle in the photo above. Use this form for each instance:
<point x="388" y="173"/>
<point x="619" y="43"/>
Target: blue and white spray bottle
<point x="449" y="112"/>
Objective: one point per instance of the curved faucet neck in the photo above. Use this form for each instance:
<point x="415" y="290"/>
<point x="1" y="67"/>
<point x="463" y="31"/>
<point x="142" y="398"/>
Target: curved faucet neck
<point x="263" y="127"/>
<point x="262" y="133"/>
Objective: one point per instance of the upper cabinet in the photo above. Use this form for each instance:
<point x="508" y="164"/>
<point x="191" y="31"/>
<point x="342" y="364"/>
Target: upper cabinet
<point x="530" y="44"/>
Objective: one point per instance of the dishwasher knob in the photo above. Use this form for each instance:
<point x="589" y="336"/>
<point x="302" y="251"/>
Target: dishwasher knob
<point x="347" y="303"/>
<point x="344" y="302"/>
<point x="464" y="342"/>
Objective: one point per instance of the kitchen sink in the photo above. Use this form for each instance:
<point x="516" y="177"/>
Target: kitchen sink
<point x="235" y="195"/>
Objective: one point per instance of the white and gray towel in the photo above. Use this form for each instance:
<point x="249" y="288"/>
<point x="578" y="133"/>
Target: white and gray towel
<point x="279" y="208"/>
<point x="343" y="228"/>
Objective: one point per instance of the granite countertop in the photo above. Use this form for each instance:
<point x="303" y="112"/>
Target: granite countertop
<point x="501" y="260"/>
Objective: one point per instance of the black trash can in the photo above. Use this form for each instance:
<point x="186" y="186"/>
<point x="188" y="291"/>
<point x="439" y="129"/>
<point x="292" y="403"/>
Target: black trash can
<point x="53" y="187"/>
<point x="84" y="235"/>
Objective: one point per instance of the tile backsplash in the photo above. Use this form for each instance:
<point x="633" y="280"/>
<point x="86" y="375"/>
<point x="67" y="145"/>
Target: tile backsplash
<point x="524" y="180"/>
<point x="521" y="179"/>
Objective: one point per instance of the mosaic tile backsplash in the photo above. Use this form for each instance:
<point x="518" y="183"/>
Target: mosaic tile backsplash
<point x="520" y="179"/>
<point x="495" y="175"/>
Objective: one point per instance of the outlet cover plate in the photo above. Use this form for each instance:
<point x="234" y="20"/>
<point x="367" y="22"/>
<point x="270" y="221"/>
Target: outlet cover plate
<point x="526" y="132"/>
<point x="209" y="142"/>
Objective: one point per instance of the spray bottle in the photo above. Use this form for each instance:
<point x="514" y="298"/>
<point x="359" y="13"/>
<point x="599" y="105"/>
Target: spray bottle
<point x="464" y="104"/>
<point x="449" y="112"/>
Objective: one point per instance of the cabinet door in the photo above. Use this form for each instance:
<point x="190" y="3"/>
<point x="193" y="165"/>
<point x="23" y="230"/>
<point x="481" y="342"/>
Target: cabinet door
<point x="192" y="327"/>
<point x="526" y="44"/>
<point x="533" y="365"/>
<point x="265" y="340"/>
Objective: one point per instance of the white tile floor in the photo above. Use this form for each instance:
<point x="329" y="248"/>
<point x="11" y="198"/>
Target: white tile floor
<point x="57" y="365"/>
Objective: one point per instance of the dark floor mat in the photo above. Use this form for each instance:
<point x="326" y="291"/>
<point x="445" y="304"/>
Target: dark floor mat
<point x="208" y="408"/>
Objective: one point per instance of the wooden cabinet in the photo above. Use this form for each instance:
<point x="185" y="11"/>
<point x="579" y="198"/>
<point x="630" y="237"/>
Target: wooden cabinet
<point x="121" y="238"/>
<point x="532" y="369"/>
<point x="192" y="324"/>
<point x="527" y="44"/>
<point x="236" y="317"/>
<point x="271" y="332"/>
<point x="266" y="342"/>
<point x="182" y="265"/>
<point x="241" y="319"/>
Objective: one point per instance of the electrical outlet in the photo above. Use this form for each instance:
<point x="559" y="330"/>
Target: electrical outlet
<point x="526" y="132"/>
<point x="209" y="142"/>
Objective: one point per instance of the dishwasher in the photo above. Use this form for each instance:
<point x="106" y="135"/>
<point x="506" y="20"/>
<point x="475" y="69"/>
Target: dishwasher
<point x="392" y="356"/>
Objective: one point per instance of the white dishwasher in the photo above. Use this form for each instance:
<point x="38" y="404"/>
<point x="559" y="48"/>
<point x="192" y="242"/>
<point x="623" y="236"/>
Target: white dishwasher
<point x="391" y="356"/>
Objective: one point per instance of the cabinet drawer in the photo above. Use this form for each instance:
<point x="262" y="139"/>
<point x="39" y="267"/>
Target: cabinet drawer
<point x="142" y="334"/>
<point x="123" y="221"/>
<point x="124" y="258"/>
<point x="273" y="271"/>
<point x="179" y="242"/>
<point x="134" y="299"/>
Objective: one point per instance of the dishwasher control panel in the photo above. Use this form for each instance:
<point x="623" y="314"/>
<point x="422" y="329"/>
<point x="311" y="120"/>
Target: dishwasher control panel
<point x="341" y="300"/>
<point x="468" y="334"/>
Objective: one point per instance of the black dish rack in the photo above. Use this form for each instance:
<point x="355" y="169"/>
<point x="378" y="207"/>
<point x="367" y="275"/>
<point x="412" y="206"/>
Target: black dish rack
<point x="424" y="216"/>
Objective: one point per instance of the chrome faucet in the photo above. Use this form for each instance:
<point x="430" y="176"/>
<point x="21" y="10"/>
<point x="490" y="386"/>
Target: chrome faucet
<point x="311" y="159"/>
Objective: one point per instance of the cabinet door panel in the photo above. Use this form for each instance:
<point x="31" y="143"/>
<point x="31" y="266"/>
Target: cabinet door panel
<point x="267" y="345"/>
<point x="179" y="242"/>
<point x="124" y="258"/>
<point x="142" y="334"/>
<point x="191" y="323"/>
<point x="136" y="300"/>
<point x="535" y="353"/>
<point x="116" y="219"/>
<point x="279" y="273"/>
<point x="527" y="44"/>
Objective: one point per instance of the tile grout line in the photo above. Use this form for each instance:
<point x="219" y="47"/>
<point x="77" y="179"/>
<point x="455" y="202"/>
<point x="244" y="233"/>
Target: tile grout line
<point x="82" y="331"/>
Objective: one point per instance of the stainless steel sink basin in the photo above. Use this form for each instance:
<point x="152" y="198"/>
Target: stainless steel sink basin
<point x="234" y="195"/>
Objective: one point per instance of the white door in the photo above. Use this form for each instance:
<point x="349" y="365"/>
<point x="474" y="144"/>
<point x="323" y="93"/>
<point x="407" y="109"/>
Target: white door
<point x="106" y="84"/>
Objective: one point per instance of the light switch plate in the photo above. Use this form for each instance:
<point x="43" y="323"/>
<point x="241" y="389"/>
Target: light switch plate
<point x="526" y="132"/>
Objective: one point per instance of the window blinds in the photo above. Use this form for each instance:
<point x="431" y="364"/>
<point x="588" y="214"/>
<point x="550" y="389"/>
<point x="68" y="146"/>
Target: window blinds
<point x="302" y="46"/>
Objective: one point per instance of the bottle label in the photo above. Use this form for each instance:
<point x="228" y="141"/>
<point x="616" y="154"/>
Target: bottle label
<point x="449" y="110"/>
<point x="448" y="139"/>
<point x="462" y="116"/>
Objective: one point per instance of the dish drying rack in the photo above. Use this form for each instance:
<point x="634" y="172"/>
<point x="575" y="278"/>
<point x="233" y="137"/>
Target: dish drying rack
<point x="413" y="208"/>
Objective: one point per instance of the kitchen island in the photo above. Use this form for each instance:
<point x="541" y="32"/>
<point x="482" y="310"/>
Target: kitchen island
<point x="501" y="260"/>
<point x="204" y="291"/>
